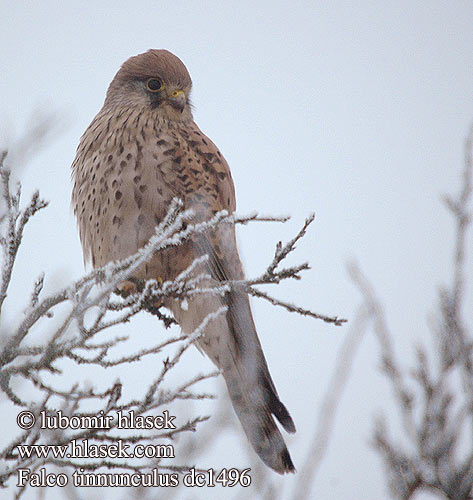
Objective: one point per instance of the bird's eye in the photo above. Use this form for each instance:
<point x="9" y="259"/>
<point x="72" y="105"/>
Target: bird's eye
<point x="154" y="85"/>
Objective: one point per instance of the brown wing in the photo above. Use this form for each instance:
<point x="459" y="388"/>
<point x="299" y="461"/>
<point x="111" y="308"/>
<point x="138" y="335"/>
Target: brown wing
<point x="224" y="261"/>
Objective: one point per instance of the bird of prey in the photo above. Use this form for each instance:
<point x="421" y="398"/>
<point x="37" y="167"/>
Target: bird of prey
<point x="142" y="150"/>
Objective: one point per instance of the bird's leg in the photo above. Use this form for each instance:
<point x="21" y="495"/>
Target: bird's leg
<point x="154" y="307"/>
<point x="126" y="288"/>
<point x="133" y="285"/>
<point x="156" y="304"/>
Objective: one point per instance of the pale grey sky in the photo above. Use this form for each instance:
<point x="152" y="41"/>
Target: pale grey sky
<point x="354" y="110"/>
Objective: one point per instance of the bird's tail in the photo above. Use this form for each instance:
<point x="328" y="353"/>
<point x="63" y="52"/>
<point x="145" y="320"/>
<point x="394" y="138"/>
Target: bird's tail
<point x="231" y="342"/>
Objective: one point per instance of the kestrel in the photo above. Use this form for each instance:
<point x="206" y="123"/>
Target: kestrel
<point x="142" y="150"/>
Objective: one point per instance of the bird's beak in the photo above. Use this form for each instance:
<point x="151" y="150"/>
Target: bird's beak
<point x="177" y="99"/>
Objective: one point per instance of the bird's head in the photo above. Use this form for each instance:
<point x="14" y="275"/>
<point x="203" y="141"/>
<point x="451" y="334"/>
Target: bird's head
<point x="157" y="80"/>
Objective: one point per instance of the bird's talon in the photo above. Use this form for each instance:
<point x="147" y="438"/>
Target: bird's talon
<point x="126" y="288"/>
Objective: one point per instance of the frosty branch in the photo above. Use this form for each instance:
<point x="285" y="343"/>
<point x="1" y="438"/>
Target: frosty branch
<point x="34" y="350"/>
<point x="435" y="403"/>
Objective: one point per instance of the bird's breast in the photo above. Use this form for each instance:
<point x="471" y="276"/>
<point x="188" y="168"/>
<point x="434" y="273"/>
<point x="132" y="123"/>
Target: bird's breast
<point x="128" y="169"/>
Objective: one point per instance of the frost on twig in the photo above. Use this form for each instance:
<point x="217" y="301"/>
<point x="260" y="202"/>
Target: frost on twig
<point x="86" y="309"/>
<point x="275" y="276"/>
<point x="436" y="402"/>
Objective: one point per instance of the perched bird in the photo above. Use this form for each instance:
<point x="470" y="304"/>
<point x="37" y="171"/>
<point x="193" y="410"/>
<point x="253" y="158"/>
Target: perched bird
<point x="142" y="150"/>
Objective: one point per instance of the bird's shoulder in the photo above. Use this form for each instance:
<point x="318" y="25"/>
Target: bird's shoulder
<point x="193" y="167"/>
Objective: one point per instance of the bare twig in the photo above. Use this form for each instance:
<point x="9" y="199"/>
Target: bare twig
<point x="438" y="412"/>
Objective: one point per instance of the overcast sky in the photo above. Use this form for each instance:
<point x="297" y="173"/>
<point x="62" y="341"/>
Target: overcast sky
<point x="356" y="111"/>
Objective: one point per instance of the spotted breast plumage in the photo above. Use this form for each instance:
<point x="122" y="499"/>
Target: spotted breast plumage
<point x="142" y="150"/>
